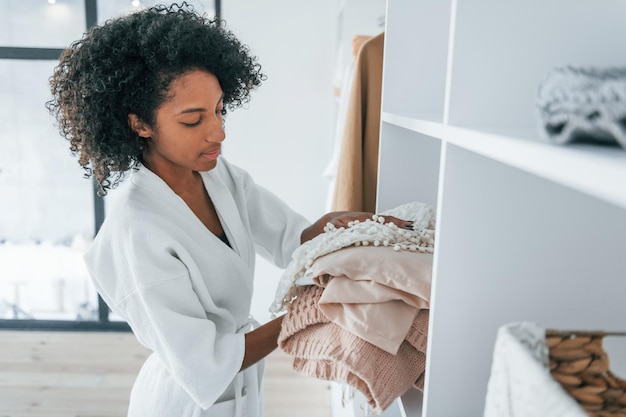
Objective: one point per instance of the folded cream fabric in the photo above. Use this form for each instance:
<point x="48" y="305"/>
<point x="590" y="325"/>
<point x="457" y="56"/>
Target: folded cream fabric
<point x="326" y="351"/>
<point x="583" y="104"/>
<point x="372" y="232"/>
<point x="374" y="292"/>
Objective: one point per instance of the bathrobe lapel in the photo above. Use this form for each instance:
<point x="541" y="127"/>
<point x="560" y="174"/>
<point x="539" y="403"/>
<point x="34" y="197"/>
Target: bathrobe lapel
<point x="229" y="216"/>
<point x="241" y="256"/>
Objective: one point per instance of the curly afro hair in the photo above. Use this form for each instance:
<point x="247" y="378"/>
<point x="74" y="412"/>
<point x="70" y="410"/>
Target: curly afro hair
<point x="126" y="66"/>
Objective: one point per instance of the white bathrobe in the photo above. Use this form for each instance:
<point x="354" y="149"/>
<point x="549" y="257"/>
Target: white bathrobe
<point x="185" y="294"/>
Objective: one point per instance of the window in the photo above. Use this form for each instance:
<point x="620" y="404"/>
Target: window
<point x="49" y="212"/>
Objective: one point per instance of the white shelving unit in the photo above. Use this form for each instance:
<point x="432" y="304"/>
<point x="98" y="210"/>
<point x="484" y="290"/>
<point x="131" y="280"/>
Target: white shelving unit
<point x="526" y="230"/>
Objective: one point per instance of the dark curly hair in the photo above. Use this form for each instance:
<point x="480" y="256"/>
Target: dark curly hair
<point x="126" y="66"/>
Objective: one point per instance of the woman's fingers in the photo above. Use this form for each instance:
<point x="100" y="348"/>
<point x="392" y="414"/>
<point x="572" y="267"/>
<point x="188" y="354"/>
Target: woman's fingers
<point x="345" y="218"/>
<point x="403" y="224"/>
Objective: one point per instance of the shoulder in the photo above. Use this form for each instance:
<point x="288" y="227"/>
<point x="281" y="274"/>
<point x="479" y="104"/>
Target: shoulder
<point x="144" y="208"/>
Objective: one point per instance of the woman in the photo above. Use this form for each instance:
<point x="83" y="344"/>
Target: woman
<point x="146" y="94"/>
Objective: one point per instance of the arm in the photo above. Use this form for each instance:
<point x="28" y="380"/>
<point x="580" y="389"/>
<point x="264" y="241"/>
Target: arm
<point x="342" y="218"/>
<point x="261" y="342"/>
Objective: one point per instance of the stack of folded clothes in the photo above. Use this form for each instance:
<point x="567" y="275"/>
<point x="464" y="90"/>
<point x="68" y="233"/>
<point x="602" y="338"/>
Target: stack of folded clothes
<point x="357" y="313"/>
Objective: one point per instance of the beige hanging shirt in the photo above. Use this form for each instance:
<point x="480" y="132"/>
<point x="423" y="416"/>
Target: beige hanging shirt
<point x="357" y="173"/>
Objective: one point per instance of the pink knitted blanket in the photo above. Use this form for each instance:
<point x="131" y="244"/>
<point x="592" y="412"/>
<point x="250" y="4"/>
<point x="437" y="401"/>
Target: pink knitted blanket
<point x="325" y="350"/>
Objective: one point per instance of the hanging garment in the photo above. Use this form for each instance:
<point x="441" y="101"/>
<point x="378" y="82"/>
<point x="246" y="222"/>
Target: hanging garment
<point x="357" y="170"/>
<point x="185" y="294"/>
<point x="324" y="350"/>
<point x="330" y="171"/>
<point x="343" y="92"/>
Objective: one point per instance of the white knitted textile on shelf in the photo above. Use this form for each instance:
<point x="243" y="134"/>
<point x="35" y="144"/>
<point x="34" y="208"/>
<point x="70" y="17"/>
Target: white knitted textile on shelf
<point x="520" y="383"/>
<point x="370" y="232"/>
<point x="583" y="104"/>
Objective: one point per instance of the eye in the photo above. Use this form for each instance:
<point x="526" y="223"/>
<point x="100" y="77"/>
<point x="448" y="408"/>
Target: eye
<point x="221" y="112"/>
<point x="194" y="124"/>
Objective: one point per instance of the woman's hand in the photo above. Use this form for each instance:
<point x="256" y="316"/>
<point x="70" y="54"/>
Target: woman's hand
<point x="342" y="218"/>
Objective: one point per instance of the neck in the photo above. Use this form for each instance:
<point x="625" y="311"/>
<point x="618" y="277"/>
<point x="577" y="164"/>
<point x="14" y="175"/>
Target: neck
<point x="179" y="180"/>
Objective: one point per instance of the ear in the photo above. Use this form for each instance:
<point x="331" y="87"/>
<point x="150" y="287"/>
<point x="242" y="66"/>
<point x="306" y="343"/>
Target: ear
<point x="138" y="126"/>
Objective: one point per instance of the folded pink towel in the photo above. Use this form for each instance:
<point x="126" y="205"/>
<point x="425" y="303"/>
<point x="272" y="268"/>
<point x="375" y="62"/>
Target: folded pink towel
<point x="326" y="351"/>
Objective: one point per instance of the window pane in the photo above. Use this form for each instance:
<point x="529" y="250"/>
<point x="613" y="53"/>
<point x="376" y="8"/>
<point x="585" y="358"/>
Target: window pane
<point x="115" y="8"/>
<point x="36" y="23"/>
<point x="46" y="215"/>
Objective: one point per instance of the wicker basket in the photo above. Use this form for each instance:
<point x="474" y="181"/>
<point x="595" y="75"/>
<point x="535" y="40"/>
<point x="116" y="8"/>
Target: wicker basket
<point x="580" y="364"/>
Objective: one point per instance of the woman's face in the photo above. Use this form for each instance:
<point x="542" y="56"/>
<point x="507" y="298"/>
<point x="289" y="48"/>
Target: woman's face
<point x="188" y="130"/>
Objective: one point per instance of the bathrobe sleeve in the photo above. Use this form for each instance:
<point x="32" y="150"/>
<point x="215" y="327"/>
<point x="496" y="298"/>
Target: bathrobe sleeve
<point x="144" y="275"/>
<point x="184" y="293"/>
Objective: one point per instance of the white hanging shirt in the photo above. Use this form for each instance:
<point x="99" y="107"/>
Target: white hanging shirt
<point x="185" y="294"/>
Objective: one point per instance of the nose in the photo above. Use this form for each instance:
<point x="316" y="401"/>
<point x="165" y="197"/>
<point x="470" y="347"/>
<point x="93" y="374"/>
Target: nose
<point x="219" y="134"/>
<point x="216" y="131"/>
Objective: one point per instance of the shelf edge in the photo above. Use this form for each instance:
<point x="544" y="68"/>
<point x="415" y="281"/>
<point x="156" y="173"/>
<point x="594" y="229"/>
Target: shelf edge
<point x="593" y="170"/>
<point x="433" y="129"/>
<point x="583" y="169"/>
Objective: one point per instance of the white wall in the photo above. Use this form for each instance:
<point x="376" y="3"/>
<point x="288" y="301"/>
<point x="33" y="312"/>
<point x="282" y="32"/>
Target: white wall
<point x="284" y="136"/>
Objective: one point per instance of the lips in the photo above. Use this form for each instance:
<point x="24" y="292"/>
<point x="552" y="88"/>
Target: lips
<point x="211" y="154"/>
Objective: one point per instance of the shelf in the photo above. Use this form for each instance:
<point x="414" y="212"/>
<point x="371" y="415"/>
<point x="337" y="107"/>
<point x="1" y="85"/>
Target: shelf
<point x="412" y="402"/>
<point x="416" y="35"/>
<point x="432" y="129"/>
<point x="405" y="155"/>
<point x="513" y="247"/>
<point x="503" y="50"/>
<point x="596" y="170"/>
<point x="530" y="230"/>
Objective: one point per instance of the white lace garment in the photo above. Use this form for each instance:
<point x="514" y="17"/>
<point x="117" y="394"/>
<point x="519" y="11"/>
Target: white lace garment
<point x="370" y="232"/>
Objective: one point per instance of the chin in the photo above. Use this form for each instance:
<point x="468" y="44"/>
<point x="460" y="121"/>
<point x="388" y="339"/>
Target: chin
<point x="207" y="166"/>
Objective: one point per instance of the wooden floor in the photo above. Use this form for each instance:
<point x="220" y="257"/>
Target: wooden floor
<point x="87" y="374"/>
